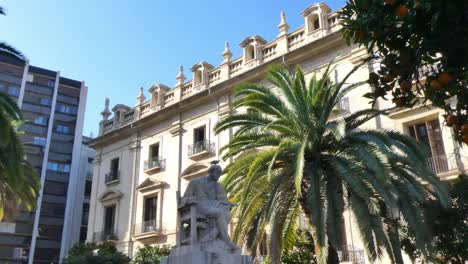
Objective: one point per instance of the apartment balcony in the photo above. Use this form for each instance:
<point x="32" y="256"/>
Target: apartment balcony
<point x="112" y="177"/>
<point x="350" y="254"/>
<point x="446" y="165"/>
<point x="154" y="164"/>
<point x="148" y="229"/>
<point x="108" y="235"/>
<point x="201" y="148"/>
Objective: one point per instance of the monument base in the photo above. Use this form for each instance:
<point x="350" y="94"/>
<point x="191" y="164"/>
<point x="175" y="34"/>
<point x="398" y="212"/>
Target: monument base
<point x="214" y="252"/>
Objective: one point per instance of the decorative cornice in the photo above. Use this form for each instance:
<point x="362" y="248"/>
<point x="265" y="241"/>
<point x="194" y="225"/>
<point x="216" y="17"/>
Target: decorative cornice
<point x="176" y="129"/>
<point x="111" y="195"/>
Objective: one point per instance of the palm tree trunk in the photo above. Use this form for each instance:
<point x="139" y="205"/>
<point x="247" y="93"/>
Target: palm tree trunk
<point x="395" y="241"/>
<point x="333" y="257"/>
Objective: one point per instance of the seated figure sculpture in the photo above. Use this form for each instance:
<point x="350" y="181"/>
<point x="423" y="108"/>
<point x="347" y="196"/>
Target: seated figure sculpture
<point x="210" y="200"/>
<point x="204" y="213"/>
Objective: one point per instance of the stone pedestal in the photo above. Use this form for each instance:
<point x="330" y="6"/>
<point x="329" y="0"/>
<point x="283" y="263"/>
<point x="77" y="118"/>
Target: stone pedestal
<point x="214" y="252"/>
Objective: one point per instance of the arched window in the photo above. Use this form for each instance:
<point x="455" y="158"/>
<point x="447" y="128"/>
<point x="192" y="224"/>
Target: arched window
<point x="314" y="22"/>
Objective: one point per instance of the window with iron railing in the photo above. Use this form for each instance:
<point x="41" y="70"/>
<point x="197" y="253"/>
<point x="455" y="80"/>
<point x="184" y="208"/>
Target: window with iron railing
<point x="113" y="174"/>
<point x="153" y="163"/>
<point x="343" y="105"/>
<point x="201" y="147"/>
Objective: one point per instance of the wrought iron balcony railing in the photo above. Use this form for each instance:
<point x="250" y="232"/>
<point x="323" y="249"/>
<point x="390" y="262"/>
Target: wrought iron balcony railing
<point x="112" y="176"/>
<point x="351" y="254"/>
<point x="105" y="235"/>
<point x="154" y="162"/>
<point x="201" y="147"/>
<point x="443" y="163"/>
<point x="148" y="227"/>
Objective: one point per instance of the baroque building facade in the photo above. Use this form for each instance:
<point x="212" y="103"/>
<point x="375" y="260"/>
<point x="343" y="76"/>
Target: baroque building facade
<point x="147" y="154"/>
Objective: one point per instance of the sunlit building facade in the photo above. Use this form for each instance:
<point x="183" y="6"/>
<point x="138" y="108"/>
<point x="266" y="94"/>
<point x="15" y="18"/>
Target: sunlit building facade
<point x="147" y="154"/>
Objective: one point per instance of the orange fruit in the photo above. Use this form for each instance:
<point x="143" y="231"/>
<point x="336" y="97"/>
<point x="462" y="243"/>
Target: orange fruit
<point x="401" y="11"/>
<point x="390" y="2"/>
<point x="464" y="129"/>
<point x="446" y="78"/>
<point x="406" y="86"/>
<point x="436" y="85"/>
<point x="451" y="120"/>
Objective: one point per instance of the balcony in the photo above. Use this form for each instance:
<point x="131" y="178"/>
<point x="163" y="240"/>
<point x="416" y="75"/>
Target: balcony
<point x="109" y="235"/>
<point x="154" y="164"/>
<point x="148" y="228"/>
<point x="444" y="164"/>
<point x="201" y="148"/>
<point x="112" y="177"/>
<point x="350" y="254"/>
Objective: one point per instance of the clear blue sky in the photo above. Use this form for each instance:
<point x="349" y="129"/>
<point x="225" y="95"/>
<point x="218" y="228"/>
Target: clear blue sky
<point x="118" y="46"/>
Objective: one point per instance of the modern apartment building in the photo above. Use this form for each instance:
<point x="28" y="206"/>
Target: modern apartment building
<point x="54" y="109"/>
<point x="82" y="196"/>
<point x="147" y="154"/>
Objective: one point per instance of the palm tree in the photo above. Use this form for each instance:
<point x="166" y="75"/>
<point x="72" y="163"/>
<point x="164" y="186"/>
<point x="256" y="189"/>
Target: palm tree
<point x="293" y="157"/>
<point x="19" y="183"/>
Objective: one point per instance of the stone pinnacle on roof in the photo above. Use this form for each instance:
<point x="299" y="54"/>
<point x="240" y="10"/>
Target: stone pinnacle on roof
<point x="180" y="77"/>
<point x="106" y="112"/>
<point x="283" y="26"/>
<point x="141" y="96"/>
<point x="227" y="52"/>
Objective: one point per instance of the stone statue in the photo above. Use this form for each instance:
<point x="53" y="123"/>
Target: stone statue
<point x="204" y="213"/>
<point x="211" y="201"/>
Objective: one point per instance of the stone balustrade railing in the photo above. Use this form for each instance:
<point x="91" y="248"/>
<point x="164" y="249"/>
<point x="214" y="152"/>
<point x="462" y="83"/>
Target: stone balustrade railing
<point x="268" y="51"/>
<point x="236" y="65"/>
<point x="187" y="89"/>
<point x="214" y="76"/>
<point x="296" y="37"/>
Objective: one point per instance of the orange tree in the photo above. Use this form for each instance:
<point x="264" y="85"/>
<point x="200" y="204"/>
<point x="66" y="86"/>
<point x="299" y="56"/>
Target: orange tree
<point x="422" y="48"/>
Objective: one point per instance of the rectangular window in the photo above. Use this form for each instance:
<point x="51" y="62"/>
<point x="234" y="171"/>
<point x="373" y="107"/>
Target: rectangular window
<point x="114" y="165"/>
<point x="13" y="90"/>
<point x="88" y="186"/>
<point x="199" y="134"/>
<point x="39" y="141"/>
<point x="109" y="219"/>
<point x="67" y="109"/>
<point x="151" y="205"/>
<point x="154" y="151"/>
<point x="40" y="120"/>
<point x="51" y="83"/>
<point x="58" y="167"/>
<point x="62" y="129"/>
<point x="45" y="101"/>
<point x="55" y="188"/>
<point x="430" y="134"/>
<point x="52" y="166"/>
<point x="84" y="218"/>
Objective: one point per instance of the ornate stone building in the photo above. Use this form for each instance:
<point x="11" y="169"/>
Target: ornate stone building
<point x="146" y="154"/>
